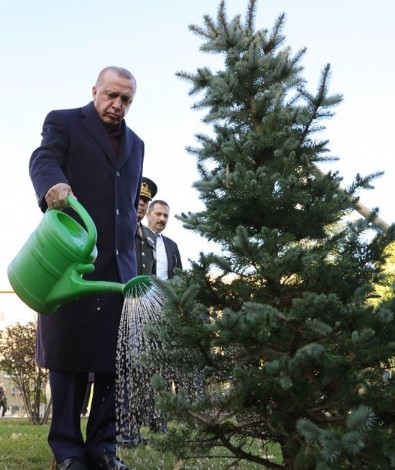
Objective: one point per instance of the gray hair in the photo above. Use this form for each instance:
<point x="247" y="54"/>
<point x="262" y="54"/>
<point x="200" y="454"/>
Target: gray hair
<point x="121" y="72"/>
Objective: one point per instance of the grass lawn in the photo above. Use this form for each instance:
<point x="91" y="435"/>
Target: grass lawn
<point x="25" y="447"/>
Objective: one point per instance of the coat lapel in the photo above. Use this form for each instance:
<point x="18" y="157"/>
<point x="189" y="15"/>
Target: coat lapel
<point x="93" y="124"/>
<point x="126" y="146"/>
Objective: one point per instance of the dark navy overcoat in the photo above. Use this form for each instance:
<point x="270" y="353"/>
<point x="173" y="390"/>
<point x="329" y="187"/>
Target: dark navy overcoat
<point x="76" y="149"/>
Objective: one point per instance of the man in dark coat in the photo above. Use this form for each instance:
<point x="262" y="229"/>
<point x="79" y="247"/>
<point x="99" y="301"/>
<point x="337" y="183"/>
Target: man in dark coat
<point x="167" y="253"/>
<point x="91" y="154"/>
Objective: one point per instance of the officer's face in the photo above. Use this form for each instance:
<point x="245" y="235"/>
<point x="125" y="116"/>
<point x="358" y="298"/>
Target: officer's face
<point x="142" y="208"/>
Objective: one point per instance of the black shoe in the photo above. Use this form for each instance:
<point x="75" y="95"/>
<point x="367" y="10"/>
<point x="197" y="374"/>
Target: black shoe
<point x="107" y="462"/>
<point x="71" y="464"/>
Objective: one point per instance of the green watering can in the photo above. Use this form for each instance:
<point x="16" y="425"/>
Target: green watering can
<point x="48" y="270"/>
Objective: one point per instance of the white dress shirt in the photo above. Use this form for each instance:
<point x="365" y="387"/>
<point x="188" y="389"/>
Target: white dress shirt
<point x="161" y="258"/>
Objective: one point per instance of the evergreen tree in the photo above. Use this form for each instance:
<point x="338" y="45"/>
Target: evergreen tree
<point x="386" y="287"/>
<point x="279" y="325"/>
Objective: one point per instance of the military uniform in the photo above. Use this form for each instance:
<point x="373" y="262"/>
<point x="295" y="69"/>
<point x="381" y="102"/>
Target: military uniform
<point x="145" y="250"/>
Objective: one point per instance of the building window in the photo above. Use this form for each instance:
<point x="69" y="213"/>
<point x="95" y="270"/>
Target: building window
<point x="15" y="390"/>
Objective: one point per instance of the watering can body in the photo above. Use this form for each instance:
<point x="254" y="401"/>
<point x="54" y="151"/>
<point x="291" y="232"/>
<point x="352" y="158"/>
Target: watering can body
<point x="48" y="270"/>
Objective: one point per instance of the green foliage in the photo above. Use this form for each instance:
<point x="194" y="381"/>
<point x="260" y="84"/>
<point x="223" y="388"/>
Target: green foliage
<point x="280" y="326"/>
<point x="385" y="288"/>
<point x="24" y="446"/>
<point x="17" y="346"/>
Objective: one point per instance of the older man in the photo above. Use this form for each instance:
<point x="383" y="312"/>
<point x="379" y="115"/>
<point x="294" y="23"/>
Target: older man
<point x="91" y="153"/>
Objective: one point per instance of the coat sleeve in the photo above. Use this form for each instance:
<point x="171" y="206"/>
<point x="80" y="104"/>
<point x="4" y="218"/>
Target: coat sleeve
<point x="178" y="256"/>
<point x="47" y="162"/>
<point x="173" y="255"/>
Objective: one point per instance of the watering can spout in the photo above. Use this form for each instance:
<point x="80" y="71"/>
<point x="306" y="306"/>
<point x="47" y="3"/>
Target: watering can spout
<point x="48" y="271"/>
<point x="73" y="286"/>
<point x="137" y="286"/>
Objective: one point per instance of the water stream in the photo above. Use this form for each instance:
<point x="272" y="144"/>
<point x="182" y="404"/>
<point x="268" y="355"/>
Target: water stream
<point x="135" y="405"/>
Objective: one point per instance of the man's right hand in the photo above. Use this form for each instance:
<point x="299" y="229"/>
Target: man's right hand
<point x="56" y="196"/>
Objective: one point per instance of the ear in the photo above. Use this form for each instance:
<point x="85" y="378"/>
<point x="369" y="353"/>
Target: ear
<point x="94" y="92"/>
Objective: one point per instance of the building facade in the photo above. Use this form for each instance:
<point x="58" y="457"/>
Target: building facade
<point x="15" y="405"/>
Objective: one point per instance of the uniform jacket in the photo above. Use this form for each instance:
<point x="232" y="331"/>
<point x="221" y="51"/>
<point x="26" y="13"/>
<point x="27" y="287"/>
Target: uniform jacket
<point x="146" y="251"/>
<point x="173" y="256"/>
<point x="76" y="149"/>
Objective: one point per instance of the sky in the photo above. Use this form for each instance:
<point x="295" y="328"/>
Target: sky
<point x="51" y="53"/>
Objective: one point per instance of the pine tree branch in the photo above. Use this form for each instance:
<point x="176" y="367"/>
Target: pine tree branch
<point x="316" y="101"/>
<point x="221" y="435"/>
<point x="251" y="15"/>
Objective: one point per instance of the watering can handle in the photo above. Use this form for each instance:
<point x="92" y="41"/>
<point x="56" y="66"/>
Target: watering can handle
<point x="88" y="222"/>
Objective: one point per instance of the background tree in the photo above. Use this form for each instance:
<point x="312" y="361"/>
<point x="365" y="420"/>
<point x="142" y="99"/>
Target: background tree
<point x="385" y="290"/>
<point x="279" y="322"/>
<point x="17" y="358"/>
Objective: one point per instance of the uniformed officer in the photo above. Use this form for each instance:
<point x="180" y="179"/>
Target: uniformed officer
<point x="145" y="238"/>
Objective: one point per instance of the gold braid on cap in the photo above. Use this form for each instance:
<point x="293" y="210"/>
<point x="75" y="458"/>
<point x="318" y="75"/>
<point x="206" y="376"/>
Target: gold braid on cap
<point x="145" y="190"/>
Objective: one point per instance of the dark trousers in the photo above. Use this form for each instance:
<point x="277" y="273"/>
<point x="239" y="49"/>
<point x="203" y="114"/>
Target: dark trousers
<point x="3" y="405"/>
<point x="65" y="437"/>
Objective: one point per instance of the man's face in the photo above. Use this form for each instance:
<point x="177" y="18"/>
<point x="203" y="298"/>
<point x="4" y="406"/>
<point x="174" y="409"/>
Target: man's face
<point x="142" y="208"/>
<point x="113" y="97"/>
<point x="158" y="217"/>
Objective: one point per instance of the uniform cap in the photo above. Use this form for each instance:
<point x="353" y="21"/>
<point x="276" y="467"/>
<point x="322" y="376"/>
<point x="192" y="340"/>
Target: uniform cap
<point x="148" y="188"/>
